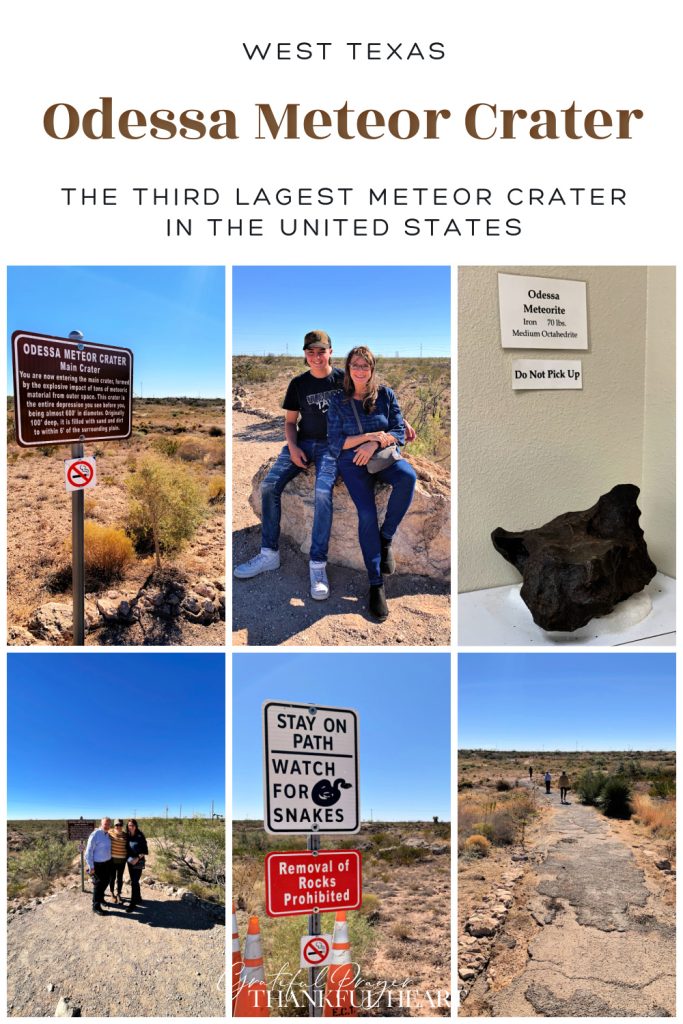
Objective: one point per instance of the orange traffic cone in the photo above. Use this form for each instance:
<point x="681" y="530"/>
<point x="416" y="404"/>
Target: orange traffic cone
<point x="252" y="995"/>
<point x="237" y="963"/>
<point x="340" y="990"/>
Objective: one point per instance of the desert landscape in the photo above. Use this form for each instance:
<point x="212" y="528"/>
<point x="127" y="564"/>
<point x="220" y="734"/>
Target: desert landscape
<point x="167" y="480"/>
<point x="566" y="909"/>
<point x="167" y="959"/>
<point x="282" y="611"/>
<point x="401" y="936"/>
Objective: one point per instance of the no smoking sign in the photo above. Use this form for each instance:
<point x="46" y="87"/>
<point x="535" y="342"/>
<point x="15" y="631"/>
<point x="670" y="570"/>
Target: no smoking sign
<point x="80" y="474"/>
<point x="316" y="950"/>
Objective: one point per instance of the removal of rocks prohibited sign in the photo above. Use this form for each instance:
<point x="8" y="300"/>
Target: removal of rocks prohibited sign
<point x="80" y="474"/>
<point x="310" y="769"/>
<point x="304" y="881"/>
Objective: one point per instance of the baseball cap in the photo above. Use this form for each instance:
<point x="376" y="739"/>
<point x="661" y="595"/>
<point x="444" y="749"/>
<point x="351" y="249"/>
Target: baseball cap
<point x="317" y="338"/>
<point x="118" y="821"/>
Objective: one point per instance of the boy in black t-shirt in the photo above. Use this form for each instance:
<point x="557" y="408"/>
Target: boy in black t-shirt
<point x="305" y="406"/>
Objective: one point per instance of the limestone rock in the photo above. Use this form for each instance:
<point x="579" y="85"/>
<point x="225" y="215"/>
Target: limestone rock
<point x="480" y="925"/>
<point x="422" y="544"/>
<point x="53" y="622"/>
<point x="663" y="865"/>
<point x="580" y="564"/>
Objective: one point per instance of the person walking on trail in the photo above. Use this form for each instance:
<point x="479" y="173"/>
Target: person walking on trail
<point x="547" y="778"/>
<point x="563" y="783"/>
<point x="531" y="773"/>
<point x="98" y="860"/>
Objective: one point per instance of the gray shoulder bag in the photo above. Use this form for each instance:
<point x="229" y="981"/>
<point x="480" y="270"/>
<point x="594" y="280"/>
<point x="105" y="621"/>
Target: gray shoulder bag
<point x="383" y="457"/>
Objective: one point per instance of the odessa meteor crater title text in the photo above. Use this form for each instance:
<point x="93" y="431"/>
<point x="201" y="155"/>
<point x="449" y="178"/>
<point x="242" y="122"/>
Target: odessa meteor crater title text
<point x="482" y="121"/>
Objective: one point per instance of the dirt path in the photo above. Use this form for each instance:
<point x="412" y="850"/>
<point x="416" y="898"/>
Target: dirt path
<point x="166" y="959"/>
<point x="278" y="609"/>
<point x="604" y="939"/>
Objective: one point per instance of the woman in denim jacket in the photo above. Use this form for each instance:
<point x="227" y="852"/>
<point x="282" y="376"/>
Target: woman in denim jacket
<point x="382" y="425"/>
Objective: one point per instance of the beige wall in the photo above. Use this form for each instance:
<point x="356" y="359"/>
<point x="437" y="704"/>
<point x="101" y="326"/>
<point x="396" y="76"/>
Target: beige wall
<point x="526" y="456"/>
<point x="658" y="500"/>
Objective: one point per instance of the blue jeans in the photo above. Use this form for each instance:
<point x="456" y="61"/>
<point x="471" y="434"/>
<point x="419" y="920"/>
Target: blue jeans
<point x="284" y="470"/>
<point x="361" y="486"/>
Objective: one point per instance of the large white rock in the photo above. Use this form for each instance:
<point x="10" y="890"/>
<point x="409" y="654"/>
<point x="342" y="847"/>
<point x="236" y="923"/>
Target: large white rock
<point x="422" y="544"/>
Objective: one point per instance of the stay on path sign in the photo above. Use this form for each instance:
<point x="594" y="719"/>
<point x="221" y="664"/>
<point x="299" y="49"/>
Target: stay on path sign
<point x="310" y="773"/>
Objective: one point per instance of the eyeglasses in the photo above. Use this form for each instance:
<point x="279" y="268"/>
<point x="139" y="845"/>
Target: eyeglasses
<point x="360" y="366"/>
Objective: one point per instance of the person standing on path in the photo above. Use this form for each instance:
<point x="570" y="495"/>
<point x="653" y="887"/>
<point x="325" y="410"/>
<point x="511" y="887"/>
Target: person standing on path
<point x="531" y="773"/>
<point x="547" y="779"/>
<point x="563" y="783"/>
<point x="119" y="852"/>
<point x="98" y="860"/>
<point x="137" y="849"/>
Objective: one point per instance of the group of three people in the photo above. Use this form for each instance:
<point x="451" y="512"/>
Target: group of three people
<point x="338" y="421"/>
<point x="106" y="855"/>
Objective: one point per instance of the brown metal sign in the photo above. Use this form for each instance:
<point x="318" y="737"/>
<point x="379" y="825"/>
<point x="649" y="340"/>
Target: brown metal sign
<point x="66" y="390"/>
<point x="79" y="829"/>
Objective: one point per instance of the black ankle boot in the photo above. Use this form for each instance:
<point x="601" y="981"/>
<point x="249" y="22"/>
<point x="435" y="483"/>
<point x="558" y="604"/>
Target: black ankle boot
<point x="377" y="602"/>
<point x="387" y="564"/>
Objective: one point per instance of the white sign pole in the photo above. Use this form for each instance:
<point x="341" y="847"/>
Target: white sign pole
<point x="77" y="542"/>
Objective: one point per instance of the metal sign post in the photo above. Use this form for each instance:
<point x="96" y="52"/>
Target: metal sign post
<point x="315" y="995"/>
<point x="81" y="848"/>
<point x="78" y="546"/>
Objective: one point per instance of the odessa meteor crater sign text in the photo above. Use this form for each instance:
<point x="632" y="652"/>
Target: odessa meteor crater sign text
<point x="311" y="768"/>
<point x="67" y="391"/>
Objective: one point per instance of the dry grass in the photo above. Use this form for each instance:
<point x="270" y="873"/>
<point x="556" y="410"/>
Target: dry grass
<point x="501" y="820"/>
<point x="657" y="815"/>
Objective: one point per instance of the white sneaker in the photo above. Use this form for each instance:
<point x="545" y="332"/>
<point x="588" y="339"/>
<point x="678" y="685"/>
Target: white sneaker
<point x="265" y="561"/>
<point x="320" y="588"/>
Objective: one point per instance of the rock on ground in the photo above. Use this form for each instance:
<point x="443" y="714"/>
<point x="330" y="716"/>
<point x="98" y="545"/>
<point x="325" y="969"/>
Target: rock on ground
<point x="422" y="544"/>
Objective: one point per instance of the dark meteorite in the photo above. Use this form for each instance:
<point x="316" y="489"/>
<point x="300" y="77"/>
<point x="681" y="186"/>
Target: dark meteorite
<point x="581" y="564"/>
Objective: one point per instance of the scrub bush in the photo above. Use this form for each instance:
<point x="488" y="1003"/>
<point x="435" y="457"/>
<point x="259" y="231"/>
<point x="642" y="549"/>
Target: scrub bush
<point x="589" y="786"/>
<point x="107" y="551"/>
<point x="615" y="798"/>
<point x="477" y="846"/>
<point x="166" y="505"/>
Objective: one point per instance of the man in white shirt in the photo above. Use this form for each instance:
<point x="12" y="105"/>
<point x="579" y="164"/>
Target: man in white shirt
<point x="98" y="860"/>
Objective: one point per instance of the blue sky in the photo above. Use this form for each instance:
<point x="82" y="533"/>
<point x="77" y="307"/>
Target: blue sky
<point x="117" y="734"/>
<point x="390" y="309"/>
<point x="567" y="701"/>
<point x="173" y="318"/>
<point x="403" y="702"/>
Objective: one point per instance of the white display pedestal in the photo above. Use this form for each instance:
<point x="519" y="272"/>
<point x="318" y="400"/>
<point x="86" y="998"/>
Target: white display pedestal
<point x="498" y="617"/>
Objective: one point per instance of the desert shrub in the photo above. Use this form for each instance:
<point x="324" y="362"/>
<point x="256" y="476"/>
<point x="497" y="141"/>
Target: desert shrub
<point x="89" y="505"/>
<point x="663" y="785"/>
<point x="614" y="799"/>
<point x="107" y="551"/>
<point x="503" y="828"/>
<point x="46" y="859"/>
<point x="482" y="828"/>
<point x="401" y="854"/>
<point x="502" y="786"/>
<point x="465" y="785"/>
<point x="589" y="786"/>
<point x="166" y="446"/>
<point x="216" y="431"/>
<point x="166" y="505"/>
<point x="193" y="851"/>
<point x="477" y="846"/>
<point x="371" y="907"/>
<point x="46" y="449"/>
<point x="216" y="490"/>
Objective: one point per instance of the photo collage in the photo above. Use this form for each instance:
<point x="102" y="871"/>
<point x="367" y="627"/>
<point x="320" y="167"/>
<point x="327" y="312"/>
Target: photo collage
<point x="439" y="524"/>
